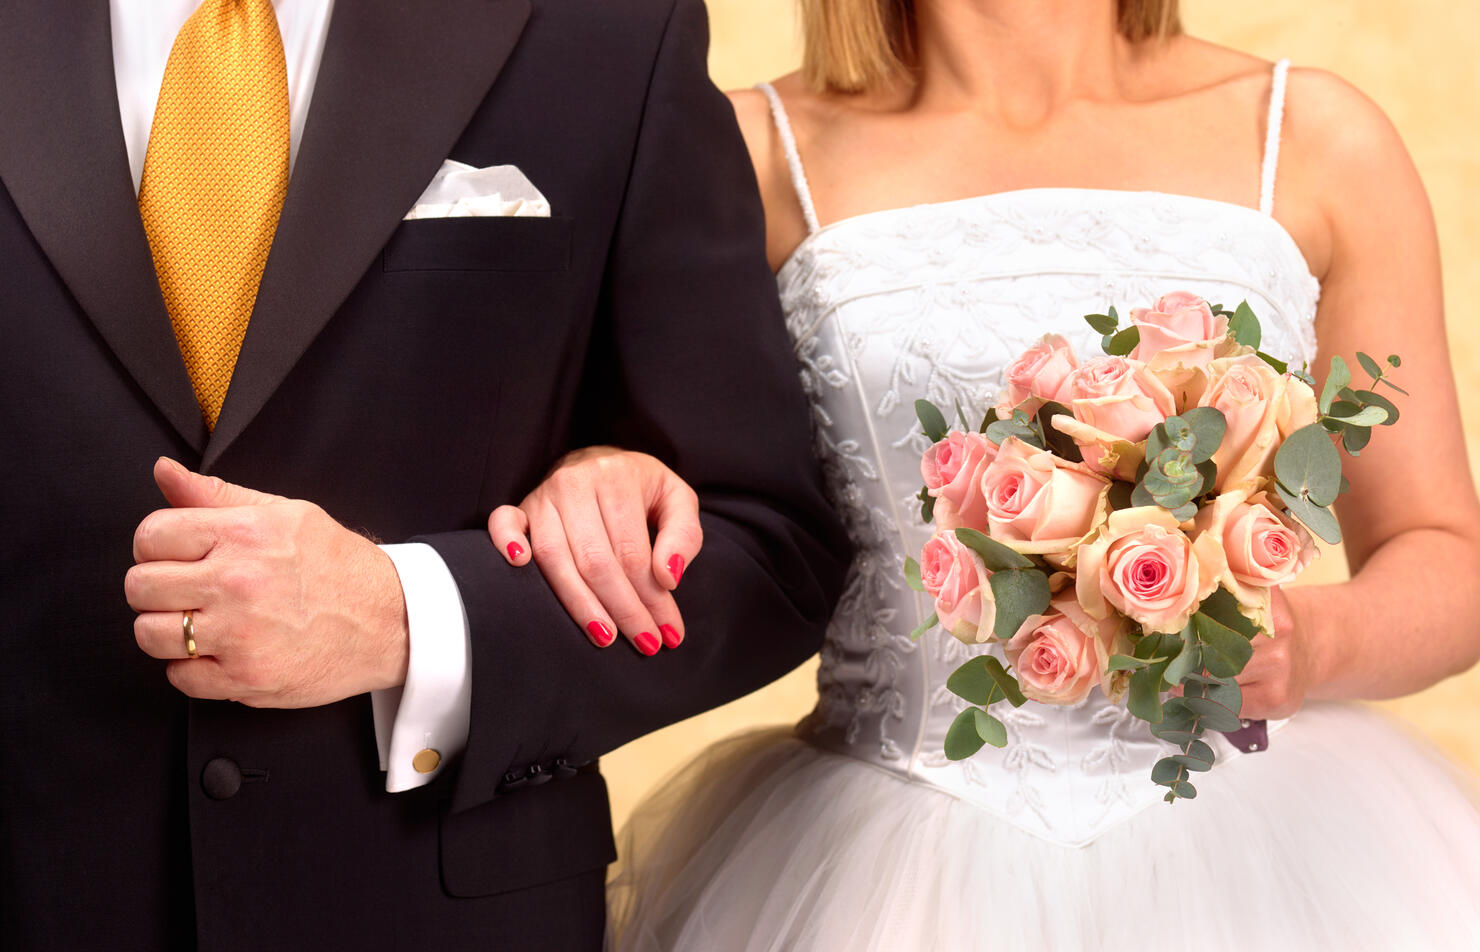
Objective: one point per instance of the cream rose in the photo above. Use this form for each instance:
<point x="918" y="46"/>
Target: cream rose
<point x="1143" y="565"/>
<point x="958" y="580"/>
<point x="1117" y="397"/>
<point x="1263" y="547"/>
<point x="1179" y="330"/>
<point x="1262" y="408"/>
<point x="952" y="471"/>
<point x="1061" y="655"/>
<point x="1037" y="375"/>
<point x="1040" y="504"/>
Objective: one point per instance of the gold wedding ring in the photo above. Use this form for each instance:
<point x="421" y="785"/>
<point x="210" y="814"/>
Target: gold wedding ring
<point x="189" y="625"/>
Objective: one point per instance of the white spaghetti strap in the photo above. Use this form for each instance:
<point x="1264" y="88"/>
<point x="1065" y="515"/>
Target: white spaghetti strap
<point x="793" y="157"/>
<point x="1272" y="137"/>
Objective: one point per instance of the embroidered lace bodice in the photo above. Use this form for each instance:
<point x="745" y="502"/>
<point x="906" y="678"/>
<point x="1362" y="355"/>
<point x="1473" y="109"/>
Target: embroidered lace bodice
<point x="933" y="301"/>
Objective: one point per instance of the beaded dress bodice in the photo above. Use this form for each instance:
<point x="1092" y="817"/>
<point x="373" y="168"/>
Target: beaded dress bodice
<point x="933" y="301"/>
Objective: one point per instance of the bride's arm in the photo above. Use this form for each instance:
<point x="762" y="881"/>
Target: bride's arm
<point x="1410" y="615"/>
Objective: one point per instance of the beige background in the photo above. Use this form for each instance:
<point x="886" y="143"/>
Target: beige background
<point x="1416" y="59"/>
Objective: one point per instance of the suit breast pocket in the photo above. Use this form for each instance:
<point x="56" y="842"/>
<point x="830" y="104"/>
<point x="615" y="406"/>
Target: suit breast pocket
<point x="480" y="244"/>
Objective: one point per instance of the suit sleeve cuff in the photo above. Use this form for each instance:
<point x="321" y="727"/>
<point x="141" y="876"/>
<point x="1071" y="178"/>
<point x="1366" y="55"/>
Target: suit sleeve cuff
<point x="423" y="726"/>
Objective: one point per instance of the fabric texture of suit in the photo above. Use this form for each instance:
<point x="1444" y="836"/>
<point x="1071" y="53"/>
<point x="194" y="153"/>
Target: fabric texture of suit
<point x="408" y="377"/>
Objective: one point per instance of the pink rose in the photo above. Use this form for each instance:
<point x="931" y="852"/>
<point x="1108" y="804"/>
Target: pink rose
<point x="1038" y="503"/>
<point x="1143" y="565"/>
<point x="958" y="580"/>
<point x="1262" y="408"/>
<point x="1263" y="547"/>
<point x="1118" y="397"/>
<point x="952" y="471"/>
<point x="1180" y="328"/>
<point x="1103" y="453"/>
<point x="1037" y="374"/>
<point x="1060" y="656"/>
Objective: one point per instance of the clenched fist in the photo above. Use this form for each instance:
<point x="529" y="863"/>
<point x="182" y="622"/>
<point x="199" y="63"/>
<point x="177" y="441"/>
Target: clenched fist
<point x="291" y="609"/>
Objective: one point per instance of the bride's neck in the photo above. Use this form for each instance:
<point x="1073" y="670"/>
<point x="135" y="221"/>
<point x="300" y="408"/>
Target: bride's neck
<point x="1016" y="59"/>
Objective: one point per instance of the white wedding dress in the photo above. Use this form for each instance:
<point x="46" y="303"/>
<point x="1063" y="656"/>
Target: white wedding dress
<point x="853" y="832"/>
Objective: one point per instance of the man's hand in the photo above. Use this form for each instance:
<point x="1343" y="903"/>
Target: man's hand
<point x="291" y="608"/>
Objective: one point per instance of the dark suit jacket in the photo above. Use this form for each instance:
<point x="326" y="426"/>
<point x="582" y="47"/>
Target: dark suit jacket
<point x="408" y="376"/>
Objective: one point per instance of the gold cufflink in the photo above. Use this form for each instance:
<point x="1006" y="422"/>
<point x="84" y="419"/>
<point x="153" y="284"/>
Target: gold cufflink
<point x="426" y="760"/>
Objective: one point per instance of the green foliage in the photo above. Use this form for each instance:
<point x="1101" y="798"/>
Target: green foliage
<point x="1222" y="607"/>
<point x="1018" y="593"/>
<point x="1102" y="323"/>
<point x="962" y="738"/>
<point x="988" y="728"/>
<point x="1144" y="697"/>
<point x="1020" y="425"/>
<point x="925" y="626"/>
<point x="927" y="505"/>
<point x="1244" y="326"/>
<point x="983" y="680"/>
<point x="1061" y="445"/>
<point x="932" y="421"/>
<point x="912" y="574"/>
<point x="996" y="556"/>
<point x="1307" y="471"/>
<point x="1225" y="651"/>
<point x="988" y="419"/>
<point x="1279" y="365"/>
<point x="1123" y="342"/>
<point x="1336" y="381"/>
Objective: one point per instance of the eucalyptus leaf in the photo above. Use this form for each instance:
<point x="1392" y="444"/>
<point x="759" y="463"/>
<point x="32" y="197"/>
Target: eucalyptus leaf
<point x="1369" y="365"/>
<point x="932" y="421"/>
<point x="962" y="739"/>
<point x="1209" y="426"/>
<point x="1366" y="416"/>
<point x="1308" y="465"/>
<point x="1006" y="683"/>
<point x="1001" y="431"/>
<point x="1060" y="444"/>
<point x="927" y="506"/>
<point x="1356" y="438"/>
<point x="998" y="557"/>
<point x="988" y="419"/>
<point x="1184" y="791"/>
<point x="912" y="574"/>
<point x="925" y="626"/>
<point x="1222" y="607"/>
<point x="1371" y="398"/>
<point x="1178" y="724"/>
<point x="972" y="683"/>
<point x="1318" y="519"/>
<point x="1279" y="365"/>
<point x="1122" y="662"/>
<point x="1339" y="377"/>
<point x="1140" y="496"/>
<point x="1198" y="756"/>
<point x="1244" y="326"/>
<point x="1120" y="494"/>
<point x="988" y="728"/>
<point x="1230" y="651"/>
<point x="1124" y="342"/>
<point x="1167" y="772"/>
<point x="1212" y="715"/>
<point x="1395" y="361"/>
<point x="1184" y="512"/>
<point x="1102" y="323"/>
<point x="1018" y="593"/>
<point x="1158" y="441"/>
<point x="1144" y="697"/>
<point x="1188" y="659"/>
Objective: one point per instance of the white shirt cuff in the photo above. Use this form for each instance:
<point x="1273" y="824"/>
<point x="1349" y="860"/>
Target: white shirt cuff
<point x="422" y="726"/>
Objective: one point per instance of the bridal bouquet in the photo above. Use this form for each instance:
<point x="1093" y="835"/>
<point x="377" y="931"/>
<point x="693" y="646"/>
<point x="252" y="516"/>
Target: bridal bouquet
<point x="1121" y="521"/>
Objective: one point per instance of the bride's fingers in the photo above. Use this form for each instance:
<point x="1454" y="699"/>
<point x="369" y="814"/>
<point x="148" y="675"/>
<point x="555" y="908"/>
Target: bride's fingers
<point x="680" y="536"/>
<point x="625" y="518"/>
<point x="551" y="552"/>
<point x="508" y="526"/>
<point x="602" y="571"/>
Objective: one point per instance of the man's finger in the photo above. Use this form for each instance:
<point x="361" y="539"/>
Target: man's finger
<point x="201" y="678"/>
<point x="186" y="490"/>
<point x="162" y="634"/>
<point x="174" y="535"/>
<point x="168" y="586"/>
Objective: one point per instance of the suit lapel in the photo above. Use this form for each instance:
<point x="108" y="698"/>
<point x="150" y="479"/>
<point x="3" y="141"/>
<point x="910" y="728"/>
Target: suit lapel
<point x="398" y="84"/>
<point x="63" y="160"/>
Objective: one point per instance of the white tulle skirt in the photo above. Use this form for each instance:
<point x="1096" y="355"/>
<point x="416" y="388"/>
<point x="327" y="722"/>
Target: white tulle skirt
<point x="1347" y="834"/>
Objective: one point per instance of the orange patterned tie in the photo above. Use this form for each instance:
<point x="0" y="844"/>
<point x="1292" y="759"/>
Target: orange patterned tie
<point x="214" y="180"/>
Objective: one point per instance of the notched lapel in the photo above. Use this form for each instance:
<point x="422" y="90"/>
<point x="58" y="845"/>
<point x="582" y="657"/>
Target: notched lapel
<point x="398" y="84"/>
<point x="63" y="160"/>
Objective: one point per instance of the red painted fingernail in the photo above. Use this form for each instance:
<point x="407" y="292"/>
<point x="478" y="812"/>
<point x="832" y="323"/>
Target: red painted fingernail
<point x="515" y="551"/>
<point x="600" y="634"/>
<point x="671" y="637"/>
<point x="646" y="643"/>
<point x="675" y="568"/>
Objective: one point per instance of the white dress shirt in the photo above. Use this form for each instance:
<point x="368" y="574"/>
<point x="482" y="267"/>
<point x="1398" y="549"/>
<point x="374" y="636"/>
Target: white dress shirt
<point x="431" y="711"/>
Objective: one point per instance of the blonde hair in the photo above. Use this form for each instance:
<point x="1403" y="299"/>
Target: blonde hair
<point x="852" y="45"/>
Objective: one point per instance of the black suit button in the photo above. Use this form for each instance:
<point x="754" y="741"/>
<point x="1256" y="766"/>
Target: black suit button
<point x="563" y="770"/>
<point x="221" y="779"/>
<point x="538" y="775"/>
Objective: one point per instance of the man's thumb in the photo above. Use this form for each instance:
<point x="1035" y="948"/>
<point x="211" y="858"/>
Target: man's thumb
<point x="186" y="490"/>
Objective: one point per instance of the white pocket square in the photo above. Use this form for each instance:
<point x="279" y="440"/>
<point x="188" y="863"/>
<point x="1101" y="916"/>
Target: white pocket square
<point x="461" y="191"/>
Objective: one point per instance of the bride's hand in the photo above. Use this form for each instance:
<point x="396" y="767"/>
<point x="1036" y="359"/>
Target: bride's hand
<point x="589" y="522"/>
<point x="1282" y="670"/>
